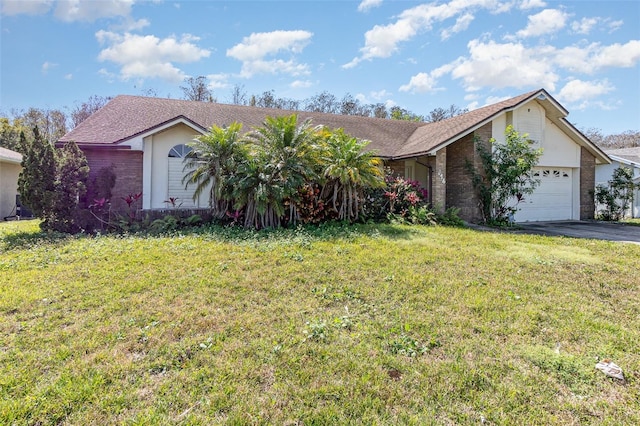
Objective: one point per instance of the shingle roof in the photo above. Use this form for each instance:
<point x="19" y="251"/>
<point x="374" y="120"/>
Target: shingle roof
<point x="10" y="156"/>
<point x="630" y="154"/>
<point x="126" y="117"/>
<point x="432" y="135"/>
<point x="136" y="115"/>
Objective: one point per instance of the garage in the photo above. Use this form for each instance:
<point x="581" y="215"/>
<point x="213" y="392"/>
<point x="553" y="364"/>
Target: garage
<point x="552" y="199"/>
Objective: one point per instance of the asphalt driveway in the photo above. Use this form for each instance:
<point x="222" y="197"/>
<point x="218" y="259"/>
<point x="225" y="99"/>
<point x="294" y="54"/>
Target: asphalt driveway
<point x="589" y="229"/>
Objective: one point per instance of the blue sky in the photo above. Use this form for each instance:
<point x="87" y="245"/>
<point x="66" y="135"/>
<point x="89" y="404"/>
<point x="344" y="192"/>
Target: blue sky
<point x="417" y="55"/>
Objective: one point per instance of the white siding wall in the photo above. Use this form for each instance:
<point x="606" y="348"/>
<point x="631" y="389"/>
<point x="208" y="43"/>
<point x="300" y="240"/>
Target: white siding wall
<point x="156" y="164"/>
<point x="8" y="187"/>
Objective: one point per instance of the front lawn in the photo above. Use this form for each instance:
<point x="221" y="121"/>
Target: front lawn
<point x="366" y="325"/>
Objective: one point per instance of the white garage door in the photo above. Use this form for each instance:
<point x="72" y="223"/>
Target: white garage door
<point x="552" y="199"/>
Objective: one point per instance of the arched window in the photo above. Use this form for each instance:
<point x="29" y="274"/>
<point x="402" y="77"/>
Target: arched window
<point x="179" y="151"/>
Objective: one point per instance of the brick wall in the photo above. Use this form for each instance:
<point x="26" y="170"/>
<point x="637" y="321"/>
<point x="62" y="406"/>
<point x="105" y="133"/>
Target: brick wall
<point x="127" y="168"/>
<point x="460" y="192"/>
<point x="587" y="184"/>
<point x="397" y="167"/>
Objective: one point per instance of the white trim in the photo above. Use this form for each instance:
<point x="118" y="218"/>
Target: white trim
<point x="136" y="142"/>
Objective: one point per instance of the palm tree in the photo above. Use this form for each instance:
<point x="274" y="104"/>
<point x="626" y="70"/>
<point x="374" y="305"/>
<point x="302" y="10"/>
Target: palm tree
<point x="288" y="152"/>
<point x="212" y="163"/>
<point x="348" y="170"/>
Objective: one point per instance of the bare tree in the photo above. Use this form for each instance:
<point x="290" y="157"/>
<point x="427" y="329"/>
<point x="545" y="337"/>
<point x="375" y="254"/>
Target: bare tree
<point x="627" y="139"/>
<point x="239" y="95"/>
<point x="196" y="89"/>
<point x="439" y="114"/>
<point x="322" y="102"/>
<point x="84" y="110"/>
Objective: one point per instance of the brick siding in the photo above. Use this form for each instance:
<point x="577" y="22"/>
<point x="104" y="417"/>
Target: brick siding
<point x="460" y="192"/>
<point x="127" y="168"/>
<point x="587" y="184"/>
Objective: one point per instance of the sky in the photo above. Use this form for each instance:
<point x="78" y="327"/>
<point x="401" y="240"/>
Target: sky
<point x="412" y="54"/>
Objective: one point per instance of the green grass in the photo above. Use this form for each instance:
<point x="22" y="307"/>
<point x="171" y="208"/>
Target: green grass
<point x="363" y="325"/>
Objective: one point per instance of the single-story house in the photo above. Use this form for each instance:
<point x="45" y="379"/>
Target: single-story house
<point x="9" y="171"/>
<point x="624" y="157"/>
<point x="144" y="139"/>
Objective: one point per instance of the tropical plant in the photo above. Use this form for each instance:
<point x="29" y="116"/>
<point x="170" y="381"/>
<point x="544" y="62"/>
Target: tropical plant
<point x="505" y="177"/>
<point x="348" y="170"/>
<point x="286" y="153"/>
<point x="212" y="163"/>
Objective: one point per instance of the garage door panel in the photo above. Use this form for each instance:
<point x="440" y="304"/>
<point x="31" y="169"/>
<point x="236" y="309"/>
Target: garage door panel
<point x="552" y="199"/>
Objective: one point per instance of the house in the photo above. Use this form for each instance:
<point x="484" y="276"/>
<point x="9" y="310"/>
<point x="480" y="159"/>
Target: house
<point x="9" y="171"/>
<point x="145" y="140"/>
<point x="624" y="157"/>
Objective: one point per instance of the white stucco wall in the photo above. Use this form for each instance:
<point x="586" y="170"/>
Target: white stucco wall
<point x="155" y="164"/>
<point x="8" y="187"/>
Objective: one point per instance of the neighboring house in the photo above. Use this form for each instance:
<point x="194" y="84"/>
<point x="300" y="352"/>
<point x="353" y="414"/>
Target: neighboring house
<point x="9" y="170"/>
<point x="144" y="139"/>
<point x="625" y="157"/>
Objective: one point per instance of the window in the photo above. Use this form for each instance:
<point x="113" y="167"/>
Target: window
<point x="179" y="151"/>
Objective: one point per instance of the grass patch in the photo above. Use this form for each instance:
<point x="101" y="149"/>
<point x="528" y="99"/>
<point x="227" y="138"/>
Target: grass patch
<point x="366" y="324"/>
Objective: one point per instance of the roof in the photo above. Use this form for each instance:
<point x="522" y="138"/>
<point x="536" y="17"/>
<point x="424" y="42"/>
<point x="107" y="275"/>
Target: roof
<point x="138" y="115"/>
<point x="396" y="139"/>
<point x="8" y="156"/>
<point x="631" y="155"/>
<point x="432" y="136"/>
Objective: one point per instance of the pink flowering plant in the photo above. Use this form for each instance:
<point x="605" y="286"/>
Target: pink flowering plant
<point x="396" y="200"/>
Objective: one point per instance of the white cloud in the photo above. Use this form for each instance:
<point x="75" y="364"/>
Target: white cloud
<point x="382" y="40"/>
<point x="546" y="22"/>
<point x="420" y="83"/>
<point x="503" y="65"/>
<point x="129" y="24"/>
<point x="47" y="66"/>
<point x="218" y="81"/>
<point x="28" y="7"/>
<point x="532" y="4"/>
<point x="580" y="91"/>
<point x="148" y="56"/>
<point x="584" y="26"/>
<point x="301" y="84"/>
<point x="366" y="5"/>
<point x="254" y="49"/>
<point x="90" y="10"/>
<point x="68" y="76"/>
<point x="614" y="25"/>
<point x="593" y="57"/>
<point x="462" y="23"/>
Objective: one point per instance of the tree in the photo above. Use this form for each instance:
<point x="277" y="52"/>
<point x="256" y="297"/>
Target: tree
<point x="285" y="154"/>
<point x="213" y="163"/>
<point x="505" y="177"/>
<point x="439" y="114"/>
<point x="72" y="172"/>
<point x="398" y="113"/>
<point x="322" y="102"/>
<point x="614" y="199"/>
<point x="349" y="169"/>
<point x="51" y="123"/>
<point x="10" y="134"/>
<point x="196" y="89"/>
<point x="239" y="95"/>
<point x="84" y="110"/>
<point x="36" y="183"/>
